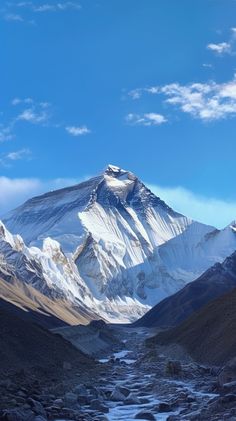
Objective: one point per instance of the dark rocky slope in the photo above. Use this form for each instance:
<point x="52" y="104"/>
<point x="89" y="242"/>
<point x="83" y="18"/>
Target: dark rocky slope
<point x="215" y="282"/>
<point x="27" y="346"/>
<point x="208" y="335"/>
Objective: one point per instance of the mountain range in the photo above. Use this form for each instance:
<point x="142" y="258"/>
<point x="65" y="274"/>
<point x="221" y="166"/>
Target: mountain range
<point x="105" y="248"/>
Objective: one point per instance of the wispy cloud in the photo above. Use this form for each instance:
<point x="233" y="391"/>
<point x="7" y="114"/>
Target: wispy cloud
<point x="19" y="11"/>
<point x="32" y="116"/>
<point x="205" y="101"/>
<point x="29" y="111"/>
<point x="13" y="17"/>
<point x="221" y="48"/>
<point x="208" y="65"/>
<point x="14" y="191"/>
<point x="6" y="160"/>
<point x="225" y="47"/>
<point x="135" y="93"/>
<point x="17" y="101"/>
<point x="24" y="110"/>
<point x="200" y="208"/>
<point x="18" y="155"/>
<point x="54" y="7"/>
<point x="148" y="119"/>
<point x="78" y="130"/>
<point x="6" y="133"/>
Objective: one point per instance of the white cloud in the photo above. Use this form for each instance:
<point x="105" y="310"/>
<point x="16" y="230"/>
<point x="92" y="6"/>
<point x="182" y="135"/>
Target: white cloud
<point x="208" y="65"/>
<point x="154" y="118"/>
<point x="44" y="104"/>
<point x="206" y="101"/>
<point x="13" y="17"/>
<point x="78" y="131"/>
<point x="221" y="48"/>
<point x="15" y="191"/>
<point x="32" y="116"/>
<point x="29" y="111"/>
<point x="135" y="93"/>
<point x="18" y="155"/>
<point x="44" y="8"/>
<point x="18" y="101"/>
<point x="24" y="4"/>
<point x="6" y="133"/>
<point x="29" y="8"/>
<point x="147" y="119"/>
<point x="7" y="159"/>
<point x="37" y="113"/>
<point x="68" y="5"/>
<point x="208" y="210"/>
<point x="54" y="7"/>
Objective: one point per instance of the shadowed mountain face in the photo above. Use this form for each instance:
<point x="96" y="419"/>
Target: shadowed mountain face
<point x="216" y="281"/>
<point x="26" y="345"/>
<point x="208" y="335"/>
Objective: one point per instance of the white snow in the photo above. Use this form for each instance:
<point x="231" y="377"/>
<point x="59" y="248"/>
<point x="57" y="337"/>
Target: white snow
<point x="112" y="245"/>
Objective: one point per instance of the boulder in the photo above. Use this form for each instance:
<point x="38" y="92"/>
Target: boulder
<point x="84" y="400"/>
<point x="193" y="416"/>
<point x="80" y="389"/>
<point x="117" y="395"/>
<point x="132" y="399"/>
<point x="71" y="399"/>
<point x="229" y="387"/>
<point x="97" y="405"/>
<point x="58" y="402"/>
<point x="97" y="324"/>
<point x="164" y="407"/>
<point x="230" y="397"/>
<point x="145" y="415"/>
<point x="37" y="407"/>
<point x="124" y="391"/>
<point x="228" y="373"/>
<point x="173" y="368"/>
<point x="16" y="415"/>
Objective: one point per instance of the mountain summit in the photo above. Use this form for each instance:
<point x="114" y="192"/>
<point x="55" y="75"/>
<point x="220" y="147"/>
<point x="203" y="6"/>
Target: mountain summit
<point x="129" y="247"/>
<point x="63" y="214"/>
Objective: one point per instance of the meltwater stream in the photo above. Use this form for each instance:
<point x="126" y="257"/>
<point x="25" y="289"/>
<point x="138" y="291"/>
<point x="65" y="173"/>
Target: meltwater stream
<point x="134" y="384"/>
<point x="145" y="402"/>
<point x="150" y="391"/>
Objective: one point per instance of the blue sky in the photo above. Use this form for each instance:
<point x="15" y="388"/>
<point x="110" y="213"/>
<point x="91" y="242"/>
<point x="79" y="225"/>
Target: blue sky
<point x="146" y="85"/>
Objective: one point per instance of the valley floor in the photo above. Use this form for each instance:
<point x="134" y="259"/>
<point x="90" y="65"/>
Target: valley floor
<point x="132" y="381"/>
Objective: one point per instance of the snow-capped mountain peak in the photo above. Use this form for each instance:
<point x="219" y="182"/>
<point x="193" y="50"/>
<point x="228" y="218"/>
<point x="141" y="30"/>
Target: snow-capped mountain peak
<point x="115" y="171"/>
<point x="124" y="244"/>
<point x="232" y="225"/>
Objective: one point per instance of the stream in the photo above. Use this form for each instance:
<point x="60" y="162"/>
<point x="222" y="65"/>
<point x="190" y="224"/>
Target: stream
<point x="150" y="392"/>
